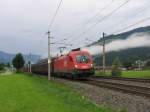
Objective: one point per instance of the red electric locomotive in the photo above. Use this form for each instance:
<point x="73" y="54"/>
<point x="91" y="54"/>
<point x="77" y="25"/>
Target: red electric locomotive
<point x="76" y="64"/>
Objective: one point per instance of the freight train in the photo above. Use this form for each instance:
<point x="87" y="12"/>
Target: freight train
<point x="76" y="64"/>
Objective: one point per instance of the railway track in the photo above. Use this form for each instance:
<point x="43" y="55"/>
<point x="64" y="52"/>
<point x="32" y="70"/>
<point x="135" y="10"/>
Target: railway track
<point x="123" y="79"/>
<point x="127" y="88"/>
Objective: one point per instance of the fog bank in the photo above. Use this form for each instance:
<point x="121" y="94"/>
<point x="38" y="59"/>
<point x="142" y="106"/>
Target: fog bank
<point x="135" y="40"/>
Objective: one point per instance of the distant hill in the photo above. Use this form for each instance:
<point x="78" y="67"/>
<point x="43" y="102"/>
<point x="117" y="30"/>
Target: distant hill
<point x="7" y="57"/>
<point x="126" y="55"/>
<point x="124" y="35"/>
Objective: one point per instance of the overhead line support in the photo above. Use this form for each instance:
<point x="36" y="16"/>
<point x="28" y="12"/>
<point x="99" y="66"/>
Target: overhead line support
<point x="104" y="64"/>
<point x="49" y="57"/>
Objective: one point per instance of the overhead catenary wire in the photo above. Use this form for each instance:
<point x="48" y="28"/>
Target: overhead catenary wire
<point x="105" y="17"/>
<point x="139" y="12"/>
<point x="102" y="19"/>
<point x="136" y="23"/>
<point x="62" y="44"/>
<point x="131" y="25"/>
<point x="93" y="17"/>
<point x="51" y="21"/>
<point x="49" y="41"/>
<point x="55" y="14"/>
<point x="60" y="40"/>
<point x="99" y="12"/>
<point x="136" y="14"/>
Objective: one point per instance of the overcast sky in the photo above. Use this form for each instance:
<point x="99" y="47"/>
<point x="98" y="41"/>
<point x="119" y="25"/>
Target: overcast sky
<point x="24" y="23"/>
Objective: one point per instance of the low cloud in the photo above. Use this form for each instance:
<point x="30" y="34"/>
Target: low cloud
<point x="135" y="40"/>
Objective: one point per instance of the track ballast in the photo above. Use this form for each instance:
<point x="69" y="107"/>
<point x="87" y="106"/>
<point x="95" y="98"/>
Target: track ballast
<point x="124" y="87"/>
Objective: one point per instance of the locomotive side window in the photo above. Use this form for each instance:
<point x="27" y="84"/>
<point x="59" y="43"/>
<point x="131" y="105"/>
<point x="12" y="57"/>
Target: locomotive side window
<point x="82" y="59"/>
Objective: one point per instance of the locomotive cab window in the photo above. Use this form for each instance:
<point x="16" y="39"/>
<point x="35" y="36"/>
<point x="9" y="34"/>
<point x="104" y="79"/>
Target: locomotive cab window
<point x="82" y="59"/>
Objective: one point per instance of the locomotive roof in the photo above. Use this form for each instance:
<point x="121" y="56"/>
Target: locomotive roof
<point x="73" y="52"/>
<point x="78" y="49"/>
<point x="78" y="52"/>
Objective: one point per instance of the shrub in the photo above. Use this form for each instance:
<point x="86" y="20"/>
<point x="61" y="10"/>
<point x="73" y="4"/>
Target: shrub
<point x="2" y="66"/>
<point x="116" y="68"/>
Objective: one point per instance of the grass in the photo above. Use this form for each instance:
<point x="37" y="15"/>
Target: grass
<point x="100" y="73"/>
<point x="27" y="93"/>
<point x="137" y="74"/>
<point x="130" y="74"/>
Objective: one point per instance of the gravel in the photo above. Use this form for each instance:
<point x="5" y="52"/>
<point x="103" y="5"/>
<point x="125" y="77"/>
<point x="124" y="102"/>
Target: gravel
<point x="142" y="84"/>
<point x="119" y="101"/>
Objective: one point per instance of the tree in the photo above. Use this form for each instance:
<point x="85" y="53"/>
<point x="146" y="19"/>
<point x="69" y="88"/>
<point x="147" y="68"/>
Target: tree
<point x="18" y="61"/>
<point x="116" y="68"/>
<point x="8" y="65"/>
<point x="127" y="65"/>
<point x="2" y="66"/>
<point x="147" y="65"/>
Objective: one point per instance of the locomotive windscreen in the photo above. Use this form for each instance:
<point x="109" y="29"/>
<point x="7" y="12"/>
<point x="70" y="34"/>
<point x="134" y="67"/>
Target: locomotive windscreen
<point x="82" y="59"/>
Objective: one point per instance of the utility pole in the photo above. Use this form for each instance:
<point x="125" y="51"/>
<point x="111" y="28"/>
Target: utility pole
<point x="49" y="57"/>
<point x="139" y="64"/>
<point x="29" y="63"/>
<point x="30" y="68"/>
<point x="104" y="53"/>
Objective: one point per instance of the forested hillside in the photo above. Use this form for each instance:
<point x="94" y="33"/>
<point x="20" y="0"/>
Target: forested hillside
<point x="7" y="57"/>
<point x="124" y="35"/>
<point x="128" y="55"/>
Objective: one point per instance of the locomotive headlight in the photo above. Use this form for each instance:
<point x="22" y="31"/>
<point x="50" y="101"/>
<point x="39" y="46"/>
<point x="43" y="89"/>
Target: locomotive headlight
<point x="76" y="66"/>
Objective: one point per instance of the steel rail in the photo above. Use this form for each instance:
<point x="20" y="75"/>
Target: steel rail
<point x="136" y="90"/>
<point x="144" y="80"/>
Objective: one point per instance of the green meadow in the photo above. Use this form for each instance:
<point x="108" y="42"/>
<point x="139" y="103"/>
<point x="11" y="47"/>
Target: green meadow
<point x="130" y="74"/>
<point x="28" y="93"/>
